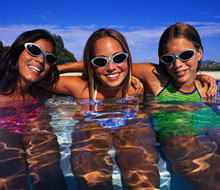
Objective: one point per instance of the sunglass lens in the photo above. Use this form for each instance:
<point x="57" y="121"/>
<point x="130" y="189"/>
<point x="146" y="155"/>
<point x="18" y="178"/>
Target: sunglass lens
<point x="186" y="55"/>
<point x="34" y="50"/>
<point x="167" y="59"/>
<point x="51" y="59"/>
<point x="100" y="62"/>
<point x="120" y="58"/>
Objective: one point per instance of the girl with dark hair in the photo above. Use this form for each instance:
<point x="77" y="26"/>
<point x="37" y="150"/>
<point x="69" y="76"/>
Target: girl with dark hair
<point x="155" y="77"/>
<point x="185" y="133"/>
<point x="29" y="147"/>
<point x="180" y="53"/>
<point x="31" y="58"/>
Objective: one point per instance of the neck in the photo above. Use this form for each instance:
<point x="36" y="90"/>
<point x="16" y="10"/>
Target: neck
<point x="185" y="87"/>
<point x="24" y="91"/>
<point x="110" y="92"/>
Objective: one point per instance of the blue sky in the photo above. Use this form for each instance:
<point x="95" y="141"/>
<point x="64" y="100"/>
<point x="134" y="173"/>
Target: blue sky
<point x="140" y="21"/>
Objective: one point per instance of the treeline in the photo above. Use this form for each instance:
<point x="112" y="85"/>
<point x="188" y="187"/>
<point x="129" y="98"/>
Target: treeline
<point x="210" y="66"/>
<point x="63" y="55"/>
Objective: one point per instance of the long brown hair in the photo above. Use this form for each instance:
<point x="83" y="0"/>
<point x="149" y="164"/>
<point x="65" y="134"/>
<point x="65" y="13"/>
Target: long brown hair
<point x="88" y="73"/>
<point x="9" y="73"/>
<point x="178" y="30"/>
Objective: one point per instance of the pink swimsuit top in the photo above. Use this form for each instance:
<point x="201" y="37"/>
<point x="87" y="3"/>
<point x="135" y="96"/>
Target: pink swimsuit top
<point x="15" y="116"/>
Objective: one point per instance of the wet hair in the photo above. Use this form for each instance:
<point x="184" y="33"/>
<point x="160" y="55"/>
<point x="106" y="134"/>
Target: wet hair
<point x="178" y="30"/>
<point x="89" y="55"/>
<point x="9" y="73"/>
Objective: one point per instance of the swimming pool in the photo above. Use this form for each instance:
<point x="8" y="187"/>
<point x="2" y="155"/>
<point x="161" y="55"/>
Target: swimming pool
<point x="71" y="144"/>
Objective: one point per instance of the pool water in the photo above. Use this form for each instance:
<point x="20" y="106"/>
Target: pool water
<point x="126" y="144"/>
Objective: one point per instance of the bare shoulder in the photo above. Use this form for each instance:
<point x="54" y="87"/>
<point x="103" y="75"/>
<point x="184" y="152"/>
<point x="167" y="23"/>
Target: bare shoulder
<point x="73" y="85"/>
<point x="5" y="98"/>
<point x="202" y="87"/>
<point x="156" y="78"/>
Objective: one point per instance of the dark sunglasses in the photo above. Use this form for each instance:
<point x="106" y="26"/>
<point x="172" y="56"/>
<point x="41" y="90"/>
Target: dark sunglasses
<point x="183" y="56"/>
<point x="35" y="51"/>
<point x="103" y="61"/>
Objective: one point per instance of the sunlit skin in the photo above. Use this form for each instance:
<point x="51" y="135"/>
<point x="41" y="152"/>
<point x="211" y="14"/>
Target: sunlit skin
<point x="183" y="73"/>
<point x="32" y="69"/>
<point x="111" y="75"/>
<point x="110" y="78"/>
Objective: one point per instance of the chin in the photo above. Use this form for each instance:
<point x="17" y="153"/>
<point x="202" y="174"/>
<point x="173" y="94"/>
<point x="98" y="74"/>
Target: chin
<point x="112" y="85"/>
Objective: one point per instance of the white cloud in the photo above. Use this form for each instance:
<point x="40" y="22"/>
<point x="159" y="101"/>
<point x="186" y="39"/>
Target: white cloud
<point x="207" y="29"/>
<point x="142" y="41"/>
<point x="216" y="16"/>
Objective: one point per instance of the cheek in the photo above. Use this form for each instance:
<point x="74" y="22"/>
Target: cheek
<point x="193" y="63"/>
<point x="99" y="70"/>
<point x="23" y="59"/>
<point x="46" y="69"/>
<point x="169" y="67"/>
<point x="124" y="66"/>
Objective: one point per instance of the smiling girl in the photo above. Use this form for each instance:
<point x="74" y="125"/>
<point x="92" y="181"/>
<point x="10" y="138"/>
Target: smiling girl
<point x="24" y="122"/>
<point x="107" y="69"/>
<point x="30" y="59"/>
<point x="180" y="54"/>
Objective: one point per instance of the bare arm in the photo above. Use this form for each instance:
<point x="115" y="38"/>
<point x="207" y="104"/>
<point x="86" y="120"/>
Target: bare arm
<point x="70" y="85"/>
<point x="153" y="80"/>
<point x="71" y="67"/>
<point x="212" y="86"/>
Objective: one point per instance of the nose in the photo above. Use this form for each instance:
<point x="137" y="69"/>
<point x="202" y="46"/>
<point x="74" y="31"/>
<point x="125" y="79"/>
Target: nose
<point x="40" y="59"/>
<point x="177" y="63"/>
<point x="110" y="66"/>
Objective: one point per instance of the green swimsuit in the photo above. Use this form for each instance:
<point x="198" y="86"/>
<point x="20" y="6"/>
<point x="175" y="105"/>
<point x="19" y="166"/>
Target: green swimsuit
<point x="170" y="92"/>
<point x="189" y="117"/>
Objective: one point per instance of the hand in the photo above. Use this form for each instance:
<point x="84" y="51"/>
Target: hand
<point x="137" y="84"/>
<point x="213" y="88"/>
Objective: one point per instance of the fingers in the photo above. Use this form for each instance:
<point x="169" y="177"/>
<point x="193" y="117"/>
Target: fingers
<point x="137" y="84"/>
<point x="213" y="88"/>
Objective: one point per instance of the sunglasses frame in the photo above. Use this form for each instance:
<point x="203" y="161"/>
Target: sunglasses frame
<point x="109" y="59"/>
<point x="178" y="56"/>
<point x="42" y="52"/>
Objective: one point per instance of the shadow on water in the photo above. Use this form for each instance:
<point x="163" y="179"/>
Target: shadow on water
<point x="127" y="144"/>
<point x="185" y="133"/>
<point x="29" y="151"/>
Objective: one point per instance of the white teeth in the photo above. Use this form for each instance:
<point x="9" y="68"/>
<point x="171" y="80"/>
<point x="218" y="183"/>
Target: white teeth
<point x="112" y="76"/>
<point x="35" y="68"/>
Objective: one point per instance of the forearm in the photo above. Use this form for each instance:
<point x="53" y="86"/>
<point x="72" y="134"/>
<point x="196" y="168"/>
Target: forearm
<point x="71" y="67"/>
<point x="213" y="88"/>
<point x="140" y="69"/>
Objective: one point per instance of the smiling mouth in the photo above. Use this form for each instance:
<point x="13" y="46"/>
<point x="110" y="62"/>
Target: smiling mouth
<point x="181" y="73"/>
<point x="35" y="68"/>
<point x="112" y="75"/>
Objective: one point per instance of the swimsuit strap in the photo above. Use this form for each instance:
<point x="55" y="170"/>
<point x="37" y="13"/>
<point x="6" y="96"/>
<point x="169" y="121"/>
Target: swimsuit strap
<point x="96" y="90"/>
<point x="170" y="92"/>
<point x="95" y="94"/>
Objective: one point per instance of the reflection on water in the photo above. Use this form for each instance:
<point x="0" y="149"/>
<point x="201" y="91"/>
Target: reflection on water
<point x="29" y="152"/>
<point x="130" y="143"/>
<point x="113" y="126"/>
<point x="185" y="131"/>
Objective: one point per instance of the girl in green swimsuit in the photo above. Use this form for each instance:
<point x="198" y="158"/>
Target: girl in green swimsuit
<point x="180" y="53"/>
<point x="156" y="77"/>
<point x="182" y="127"/>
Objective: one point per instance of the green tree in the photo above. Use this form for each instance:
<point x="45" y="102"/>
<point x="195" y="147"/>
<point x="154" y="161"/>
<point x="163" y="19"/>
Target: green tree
<point x="63" y="55"/>
<point x="3" y="49"/>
